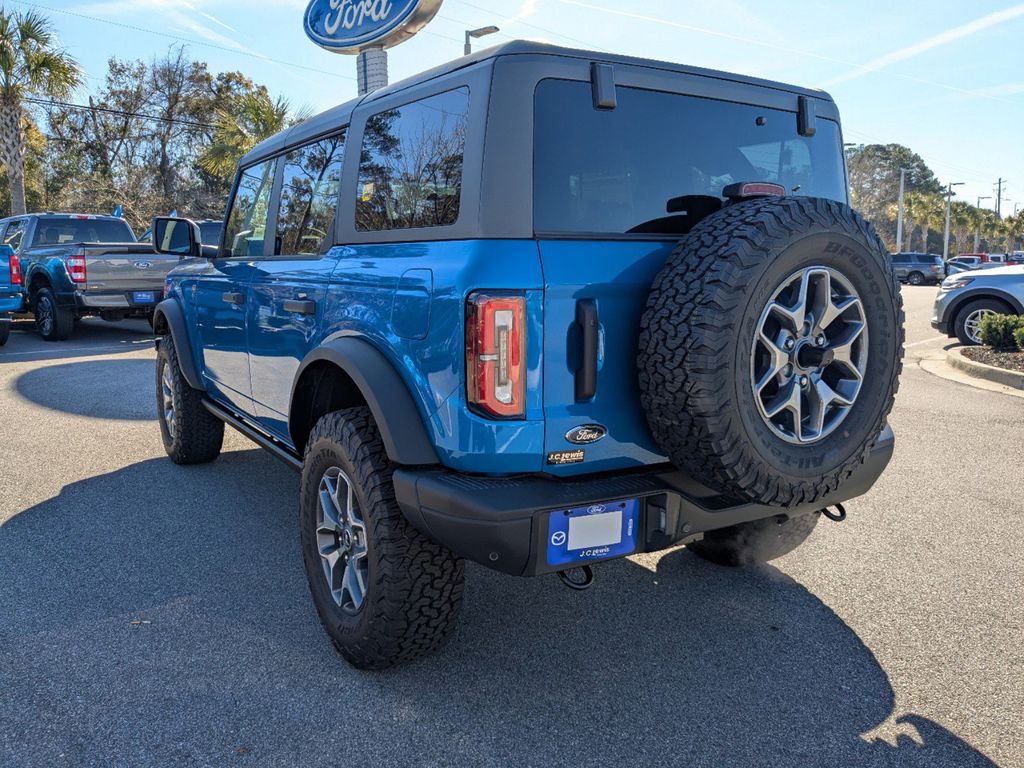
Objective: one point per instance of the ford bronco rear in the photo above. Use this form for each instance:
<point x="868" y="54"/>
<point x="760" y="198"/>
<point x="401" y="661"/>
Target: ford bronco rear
<point x="538" y="308"/>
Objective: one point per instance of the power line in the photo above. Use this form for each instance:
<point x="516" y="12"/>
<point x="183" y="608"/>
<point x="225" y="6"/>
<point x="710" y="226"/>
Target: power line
<point x="121" y="112"/>
<point x="576" y="40"/>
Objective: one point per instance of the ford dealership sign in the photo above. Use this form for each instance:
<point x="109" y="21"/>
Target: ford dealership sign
<point x="349" y="26"/>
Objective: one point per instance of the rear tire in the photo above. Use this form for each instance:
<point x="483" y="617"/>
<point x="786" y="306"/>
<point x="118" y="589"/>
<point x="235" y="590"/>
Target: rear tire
<point x="405" y="592"/>
<point x="190" y="433"/>
<point x="969" y="317"/>
<point x="54" y="323"/>
<point x="755" y="542"/>
<point x="915" y="278"/>
<point x="5" y="331"/>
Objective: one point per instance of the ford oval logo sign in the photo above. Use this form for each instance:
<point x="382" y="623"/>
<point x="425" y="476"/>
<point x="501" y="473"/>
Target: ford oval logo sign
<point x="349" y="26"/>
<point x="142" y="264"/>
<point x="586" y="434"/>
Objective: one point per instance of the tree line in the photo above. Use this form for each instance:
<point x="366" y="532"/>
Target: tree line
<point x="874" y="172"/>
<point x="151" y="138"/>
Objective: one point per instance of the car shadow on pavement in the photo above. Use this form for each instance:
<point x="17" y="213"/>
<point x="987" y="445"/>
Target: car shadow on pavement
<point x="102" y="389"/>
<point x="90" y="337"/>
<point x="159" y="615"/>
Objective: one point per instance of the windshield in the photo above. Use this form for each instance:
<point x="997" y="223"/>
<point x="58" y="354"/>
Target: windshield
<point x="615" y="171"/>
<point x="57" y="230"/>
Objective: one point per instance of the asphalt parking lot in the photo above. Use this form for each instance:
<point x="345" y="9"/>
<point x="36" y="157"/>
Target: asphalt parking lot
<point x="152" y="614"/>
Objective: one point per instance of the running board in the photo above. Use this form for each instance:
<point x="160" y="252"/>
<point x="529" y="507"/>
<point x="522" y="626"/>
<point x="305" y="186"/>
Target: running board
<point x="268" y="443"/>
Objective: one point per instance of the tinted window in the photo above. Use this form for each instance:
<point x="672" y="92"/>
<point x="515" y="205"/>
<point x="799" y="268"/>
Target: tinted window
<point x="410" y="166"/>
<point x="614" y="171"/>
<point x="309" y="196"/>
<point x="15" y="232"/>
<point x="247" y="221"/>
<point x="59" y="230"/>
<point x="900" y="258"/>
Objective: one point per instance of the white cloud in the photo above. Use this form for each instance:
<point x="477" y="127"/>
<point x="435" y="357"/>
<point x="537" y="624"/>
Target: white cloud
<point x="526" y="10"/>
<point x="928" y="44"/>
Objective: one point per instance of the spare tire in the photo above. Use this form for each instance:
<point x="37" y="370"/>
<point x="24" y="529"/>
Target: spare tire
<point x="770" y="349"/>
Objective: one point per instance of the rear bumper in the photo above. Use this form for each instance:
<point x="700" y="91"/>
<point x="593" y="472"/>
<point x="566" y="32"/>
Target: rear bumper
<point x="10" y="302"/>
<point x="503" y="522"/>
<point x="123" y="301"/>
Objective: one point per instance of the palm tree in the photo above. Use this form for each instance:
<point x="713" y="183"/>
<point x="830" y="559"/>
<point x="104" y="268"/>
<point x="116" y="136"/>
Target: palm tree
<point x="1013" y="228"/>
<point x="30" y="66"/>
<point x="931" y="213"/>
<point x="240" y="127"/>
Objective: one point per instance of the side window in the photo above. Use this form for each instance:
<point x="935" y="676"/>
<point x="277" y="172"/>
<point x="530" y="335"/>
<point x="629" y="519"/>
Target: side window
<point x="899" y="258"/>
<point x="309" y="196"/>
<point x="14" y="234"/>
<point x="247" y="221"/>
<point x="410" y="166"/>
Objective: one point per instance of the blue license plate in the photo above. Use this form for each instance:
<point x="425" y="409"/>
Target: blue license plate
<point x="593" y="532"/>
<point x="143" y="297"/>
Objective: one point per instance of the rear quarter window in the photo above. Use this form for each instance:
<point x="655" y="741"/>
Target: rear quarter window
<point x="410" y="165"/>
<point x="614" y="171"/>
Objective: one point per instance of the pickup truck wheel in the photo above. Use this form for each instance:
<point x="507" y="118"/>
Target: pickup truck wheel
<point x="54" y="323"/>
<point x="384" y="591"/>
<point x="771" y="348"/>
<point x="5" y="331"/>
<point x="756" y="542"/>
<point x="191" y="434"/>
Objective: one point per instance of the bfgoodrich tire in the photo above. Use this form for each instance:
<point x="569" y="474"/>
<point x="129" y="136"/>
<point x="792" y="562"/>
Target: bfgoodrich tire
<point x="771" y="348"/>
<point x="384" y="592"/>
<point x="190" y="433"/>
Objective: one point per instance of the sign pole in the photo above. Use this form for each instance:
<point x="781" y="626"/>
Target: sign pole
<point x="372" y="70"/>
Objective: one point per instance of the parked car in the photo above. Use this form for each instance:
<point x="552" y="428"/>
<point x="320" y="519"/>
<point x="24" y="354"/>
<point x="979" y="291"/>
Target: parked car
<point x="918" y="268"/>
<point x="997" y="258"/>
<point x="967" y="264"/>
<point x="10" y="290"/>
<point x="584" y="323"/>
<point x="77" y="265"/>
<point x="964" y="299"/>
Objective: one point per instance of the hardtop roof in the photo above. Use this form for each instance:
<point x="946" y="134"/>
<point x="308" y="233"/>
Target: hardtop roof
<point x="336" y="117"/>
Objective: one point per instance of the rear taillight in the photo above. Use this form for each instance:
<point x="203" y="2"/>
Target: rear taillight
<point x="15" y="270"/>
<point x="496" y="354"/>
<point x="76" y="268"/>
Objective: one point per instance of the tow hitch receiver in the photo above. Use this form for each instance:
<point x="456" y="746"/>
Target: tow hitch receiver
<point x="836" y="516"/>
<point x="578" y="578"/>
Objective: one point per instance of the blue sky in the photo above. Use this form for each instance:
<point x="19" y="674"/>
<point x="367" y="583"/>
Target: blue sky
<point x="945" y="77"/>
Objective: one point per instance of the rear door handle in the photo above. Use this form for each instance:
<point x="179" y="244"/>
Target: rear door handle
<point x="234" y="298"/>
<point x="307" y="307"/>
<point x="586" y="375"/>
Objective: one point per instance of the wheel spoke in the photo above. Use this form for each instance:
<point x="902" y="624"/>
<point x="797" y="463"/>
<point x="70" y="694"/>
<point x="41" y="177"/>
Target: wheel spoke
<point x="354" y="583"/>
<point x="842" y="350"/>
<point x="779" y="358"/>
<point x="820" y="397"/>
<point x="788" y="399"/>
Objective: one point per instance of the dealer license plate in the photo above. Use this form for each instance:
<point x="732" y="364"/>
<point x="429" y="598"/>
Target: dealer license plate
<point x="143" y="297"/>
<point x="593" y="532"/>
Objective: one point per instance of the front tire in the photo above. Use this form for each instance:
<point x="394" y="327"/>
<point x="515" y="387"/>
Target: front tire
<point x="53" y="322"/>
<point x="755" y="542"/>
<point x="384" y="592"/>
<point x="190" y="433"/>
<point x="968" y="320"/>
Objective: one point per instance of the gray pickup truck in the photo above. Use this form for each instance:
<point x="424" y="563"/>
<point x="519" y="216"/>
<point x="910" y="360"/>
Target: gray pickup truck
<point x="78" y="265"/>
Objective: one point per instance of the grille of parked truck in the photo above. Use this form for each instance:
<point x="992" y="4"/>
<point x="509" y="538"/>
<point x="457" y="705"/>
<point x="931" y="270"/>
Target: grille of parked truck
<point x="537" y="308"/>
<point x="79" y="265"/>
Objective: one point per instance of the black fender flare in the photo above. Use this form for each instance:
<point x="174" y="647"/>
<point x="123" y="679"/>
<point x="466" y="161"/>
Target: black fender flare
<point x="982" y="292"/>
<point x="401" y="427"/>
<point x="169" y="311"/>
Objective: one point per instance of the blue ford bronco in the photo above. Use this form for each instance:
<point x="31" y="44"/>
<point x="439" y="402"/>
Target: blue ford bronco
<point x="537" y="308"/>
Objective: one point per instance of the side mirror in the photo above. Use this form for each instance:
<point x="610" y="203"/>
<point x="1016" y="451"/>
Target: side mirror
<point x="177" y="237"/>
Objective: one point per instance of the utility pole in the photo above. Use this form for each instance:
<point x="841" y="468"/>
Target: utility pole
<point x="949" y="200"/>
<point x="977" y="230"/>
<point x="899" y="211"/>
<point x="999" y="197"/>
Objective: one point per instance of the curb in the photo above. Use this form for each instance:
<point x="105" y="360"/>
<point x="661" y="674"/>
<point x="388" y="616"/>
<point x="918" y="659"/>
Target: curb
<point x="1007" y="378"/>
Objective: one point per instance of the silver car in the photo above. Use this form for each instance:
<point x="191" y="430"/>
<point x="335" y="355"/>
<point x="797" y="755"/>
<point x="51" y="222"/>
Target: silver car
<point x="965" y="298"/>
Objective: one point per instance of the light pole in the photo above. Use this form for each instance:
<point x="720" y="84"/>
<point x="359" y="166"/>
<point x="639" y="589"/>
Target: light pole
<point x="949" y="200"/>
<point x="477" y="33"/>
<point x="977" y="230"/>
<point x="899" y="211"/>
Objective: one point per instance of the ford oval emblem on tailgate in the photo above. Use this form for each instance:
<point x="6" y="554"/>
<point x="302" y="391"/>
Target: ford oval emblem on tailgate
<point x="586" y="434"/>
<point x="143" y="264"/>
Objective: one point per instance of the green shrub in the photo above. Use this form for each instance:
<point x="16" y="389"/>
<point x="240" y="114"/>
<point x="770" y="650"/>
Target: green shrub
<point x="1001" y="331"/>
<point x="1018" y="336"/>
